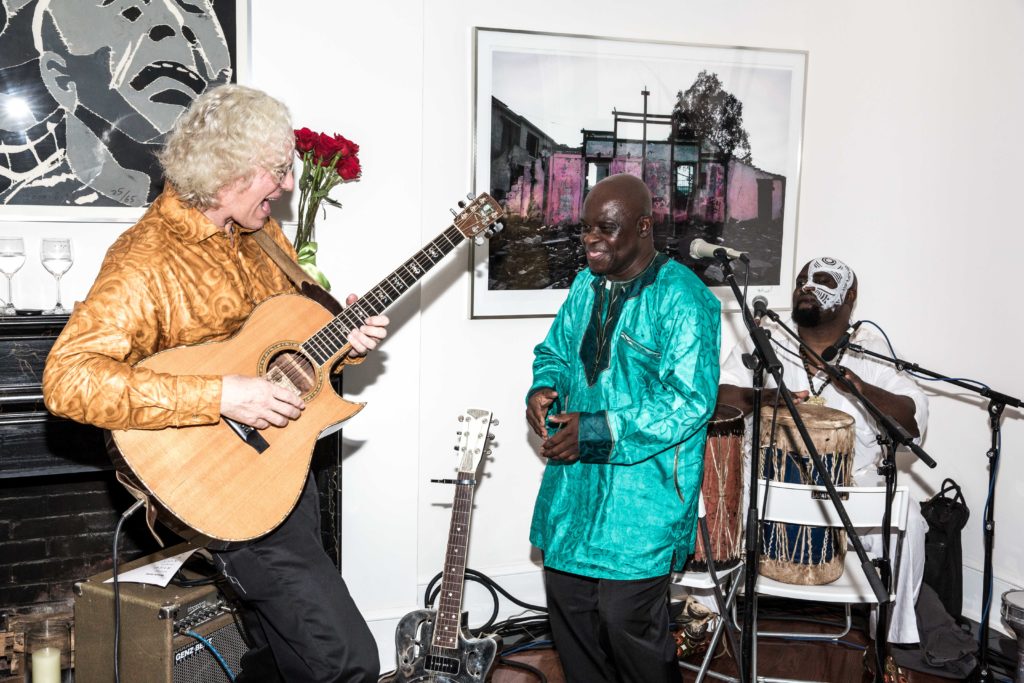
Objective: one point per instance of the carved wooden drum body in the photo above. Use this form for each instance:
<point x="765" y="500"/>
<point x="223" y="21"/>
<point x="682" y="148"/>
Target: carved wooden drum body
<point x="793" y="553"/>
<point x="722" y="490"/>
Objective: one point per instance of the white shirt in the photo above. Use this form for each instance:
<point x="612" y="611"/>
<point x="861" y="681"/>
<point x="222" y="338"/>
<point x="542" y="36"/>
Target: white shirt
<point x="868" y="453"/>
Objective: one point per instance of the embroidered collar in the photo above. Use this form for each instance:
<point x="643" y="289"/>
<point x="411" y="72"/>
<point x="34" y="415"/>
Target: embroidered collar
<point x="609" y="299"/>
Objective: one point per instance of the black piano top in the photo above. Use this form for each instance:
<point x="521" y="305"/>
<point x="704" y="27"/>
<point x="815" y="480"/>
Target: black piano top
<point x="32" y="441"/>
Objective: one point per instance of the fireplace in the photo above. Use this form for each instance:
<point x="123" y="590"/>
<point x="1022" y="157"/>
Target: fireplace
<point x="59" y="501"/>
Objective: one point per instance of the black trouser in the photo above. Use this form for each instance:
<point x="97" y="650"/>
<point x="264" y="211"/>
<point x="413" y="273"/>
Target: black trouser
<point x="609" y="631"/>
<point x="305" y="615"/>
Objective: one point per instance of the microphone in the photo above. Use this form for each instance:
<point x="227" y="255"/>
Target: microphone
<point x="701" y="249"/>
<point x="832" y="351"/>
<point x="760" y="309"/>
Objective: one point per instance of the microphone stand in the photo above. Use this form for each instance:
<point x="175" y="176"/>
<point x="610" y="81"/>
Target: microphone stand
<point x="764" y="358"/>
<point x="997" y="402"/>
<point x="892" y="437"/>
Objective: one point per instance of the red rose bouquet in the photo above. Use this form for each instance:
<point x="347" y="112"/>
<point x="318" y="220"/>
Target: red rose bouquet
<point x="327" y="161"/>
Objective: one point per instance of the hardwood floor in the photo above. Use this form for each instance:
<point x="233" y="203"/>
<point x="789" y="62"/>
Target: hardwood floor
<point x="818" y="661"/>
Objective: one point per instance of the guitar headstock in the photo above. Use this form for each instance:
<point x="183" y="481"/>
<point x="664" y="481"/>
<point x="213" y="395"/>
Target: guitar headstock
<point x="479" y="217"/>
<point x="474" y="438"/>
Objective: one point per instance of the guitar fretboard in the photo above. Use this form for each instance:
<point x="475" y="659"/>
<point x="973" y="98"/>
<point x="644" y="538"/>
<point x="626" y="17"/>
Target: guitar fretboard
<point x="331" y="338"/>
<point x="449" y="609"/>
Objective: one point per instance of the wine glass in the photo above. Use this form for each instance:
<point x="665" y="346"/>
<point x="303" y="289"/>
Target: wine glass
<point x="12" y="258"/>
<point x="55" y="254"/>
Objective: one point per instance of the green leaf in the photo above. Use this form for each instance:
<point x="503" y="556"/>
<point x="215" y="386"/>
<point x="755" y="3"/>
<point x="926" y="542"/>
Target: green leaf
<point x="317" y="275"/>
<point x="307" y="253"/>
<point x="307" y="259"/>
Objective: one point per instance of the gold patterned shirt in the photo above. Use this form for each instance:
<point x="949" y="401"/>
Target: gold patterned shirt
<point x="172" y="279"/>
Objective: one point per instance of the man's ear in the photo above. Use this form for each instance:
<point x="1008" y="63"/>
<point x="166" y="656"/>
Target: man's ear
<point x="851" y="296"/>
<point x="54" y="71"/>
<point x="645" y="225"/>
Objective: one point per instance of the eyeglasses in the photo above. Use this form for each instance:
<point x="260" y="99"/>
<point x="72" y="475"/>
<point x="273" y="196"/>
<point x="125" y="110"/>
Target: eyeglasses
<point x="281" y="171"/>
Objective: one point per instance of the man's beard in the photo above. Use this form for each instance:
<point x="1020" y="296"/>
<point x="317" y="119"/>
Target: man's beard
<point x="807" y="316"/>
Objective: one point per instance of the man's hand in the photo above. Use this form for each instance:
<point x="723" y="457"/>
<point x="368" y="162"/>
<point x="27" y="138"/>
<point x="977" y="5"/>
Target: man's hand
<point x="743" y="397"/>
<point x="258" y="403"/>
<point x="901" y="408"/>
<point x="366" y="337"/>
<point x="565" y="444"/>
<point x="850" y="375"/>
<point x="769" y="396"/>
<point x="537" y="409"/>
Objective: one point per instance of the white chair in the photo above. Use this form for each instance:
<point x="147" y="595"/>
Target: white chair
<point x="811" y="506"/>
<point x="729" y="581"/>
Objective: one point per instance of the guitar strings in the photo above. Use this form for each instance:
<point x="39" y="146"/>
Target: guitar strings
<point x="448" y="616"/>
<point x="450" y="602"/>
<point x="326" y="342"/>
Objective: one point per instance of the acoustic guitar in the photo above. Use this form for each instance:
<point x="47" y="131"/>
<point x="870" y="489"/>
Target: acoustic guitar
<point x="430" y="645"/>
<point x="227" y="482"/>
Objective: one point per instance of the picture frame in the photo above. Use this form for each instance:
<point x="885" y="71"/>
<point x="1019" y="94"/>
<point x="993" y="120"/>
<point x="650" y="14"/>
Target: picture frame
<point x="96" y="167"/>
<point x="715" y="132"/>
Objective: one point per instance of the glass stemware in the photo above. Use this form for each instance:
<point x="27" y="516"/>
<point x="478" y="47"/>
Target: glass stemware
<point x="55" y="254"/>
<point x="12" y="258"/>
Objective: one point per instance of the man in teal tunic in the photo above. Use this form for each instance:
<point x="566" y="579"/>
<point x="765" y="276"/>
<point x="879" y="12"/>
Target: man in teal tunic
<point x="623" y="387"/>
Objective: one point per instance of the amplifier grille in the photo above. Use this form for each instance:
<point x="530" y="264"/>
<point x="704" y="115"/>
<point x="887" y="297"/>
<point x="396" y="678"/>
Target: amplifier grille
<point x="194" y="663"/>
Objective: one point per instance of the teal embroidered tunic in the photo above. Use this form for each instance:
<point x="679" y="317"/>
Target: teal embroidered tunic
<point x="639" y="361"/>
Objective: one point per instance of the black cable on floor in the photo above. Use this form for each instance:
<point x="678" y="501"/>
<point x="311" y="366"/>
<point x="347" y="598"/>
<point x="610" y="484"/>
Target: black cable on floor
<point x="530" y="628"/>
<point x="525" y="667"/>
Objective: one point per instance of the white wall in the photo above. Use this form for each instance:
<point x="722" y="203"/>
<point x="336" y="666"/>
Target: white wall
<point x="910" y="144"/>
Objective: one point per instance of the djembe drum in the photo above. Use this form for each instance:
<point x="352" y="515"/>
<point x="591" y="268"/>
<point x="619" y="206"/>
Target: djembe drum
<point x="793" y="553"/>
<point x="1013" y="614"/>
<point x="722" y="490"/>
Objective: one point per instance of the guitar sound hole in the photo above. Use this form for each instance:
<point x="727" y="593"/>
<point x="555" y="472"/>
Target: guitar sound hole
<point x="292" y="370"/>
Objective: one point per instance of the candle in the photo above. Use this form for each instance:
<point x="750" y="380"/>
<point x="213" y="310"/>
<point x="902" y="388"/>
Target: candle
<point x="46" y="665"/>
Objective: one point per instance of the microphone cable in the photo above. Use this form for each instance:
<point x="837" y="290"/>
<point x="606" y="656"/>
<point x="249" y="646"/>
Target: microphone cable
<point x="918" y="375"/>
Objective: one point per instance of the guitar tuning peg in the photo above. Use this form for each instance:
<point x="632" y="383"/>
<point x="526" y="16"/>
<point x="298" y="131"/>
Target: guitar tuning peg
<point x="454" y="212"/>
<point x="490" y="437"/>
<point x="488" y="451"/>
<point x="462" y="204"/>
<point x="469" y="196"/>
<point x="478" y="241"/>
<point x="494" y="423"/>
<point x="499" y="226"/>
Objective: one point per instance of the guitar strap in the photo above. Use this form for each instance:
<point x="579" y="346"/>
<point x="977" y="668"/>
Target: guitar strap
<point x="300" y="278"/>
<point x="140" y="493"/>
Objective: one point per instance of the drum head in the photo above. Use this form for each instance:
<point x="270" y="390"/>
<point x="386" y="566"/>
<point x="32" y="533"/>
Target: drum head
<point x="1013" y="607"/>
<point x="726" y="413"/>
<point x="814" y="417"/>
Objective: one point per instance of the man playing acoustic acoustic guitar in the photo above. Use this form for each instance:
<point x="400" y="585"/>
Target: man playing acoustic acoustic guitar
<point x="188" y="272"/>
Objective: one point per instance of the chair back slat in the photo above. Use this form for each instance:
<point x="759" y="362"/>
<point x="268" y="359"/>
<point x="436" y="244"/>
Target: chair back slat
<point x="811" y="506"/>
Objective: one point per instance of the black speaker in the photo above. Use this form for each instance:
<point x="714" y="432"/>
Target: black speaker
<point x="155" y="621"/>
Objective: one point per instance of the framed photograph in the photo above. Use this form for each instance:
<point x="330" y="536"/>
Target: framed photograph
<point x="88" y="92"/>
<point x="715" y="133"/>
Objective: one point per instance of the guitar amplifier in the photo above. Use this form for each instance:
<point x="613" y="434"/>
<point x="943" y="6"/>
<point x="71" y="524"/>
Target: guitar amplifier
<point x="154" y="647"/>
